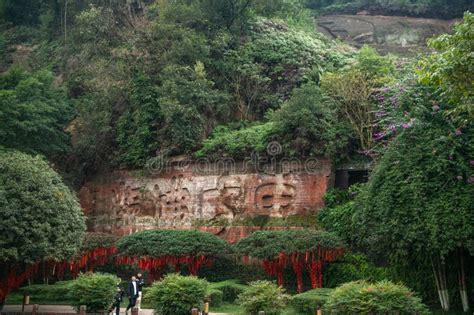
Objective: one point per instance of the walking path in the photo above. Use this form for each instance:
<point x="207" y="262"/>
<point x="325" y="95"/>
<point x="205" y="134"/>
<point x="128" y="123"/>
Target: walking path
<point x="68" y="309"/>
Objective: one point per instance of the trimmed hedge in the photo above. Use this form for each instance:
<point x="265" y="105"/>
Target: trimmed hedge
<point x="229" y="288"/>
<point x="270" y="244"/>
<point x="309" y="301"/>
<point x="161" y="243"/>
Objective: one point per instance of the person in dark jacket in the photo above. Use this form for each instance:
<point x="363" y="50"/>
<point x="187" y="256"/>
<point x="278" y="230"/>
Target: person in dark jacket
<point x="132" y="293"/>
<point x="141" y="284"/>
<point x="118" y="298"/>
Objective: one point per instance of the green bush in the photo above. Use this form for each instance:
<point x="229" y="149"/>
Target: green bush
<point x="352" y="267"/>
<point x="214" y="297"/>
<point x="237" y="144"/>
<point x="94" y="290"/>
<point x="309" y="301"/>
<point x="263" y="296"/>
<point x="177" y="295"/>
<point x="361" y="297"/>
<point x="230" y="289"/>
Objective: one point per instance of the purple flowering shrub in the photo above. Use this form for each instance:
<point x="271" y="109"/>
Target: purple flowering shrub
<point x="401" y="105"/>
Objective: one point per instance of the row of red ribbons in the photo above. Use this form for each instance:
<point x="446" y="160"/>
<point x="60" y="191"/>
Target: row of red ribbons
<point x="312" y="261"/>
<point x="194" y="263"/>
<point x="88" y="262"/>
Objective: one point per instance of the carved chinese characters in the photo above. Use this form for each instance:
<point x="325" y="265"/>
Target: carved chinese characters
<point x="125" y="202"/>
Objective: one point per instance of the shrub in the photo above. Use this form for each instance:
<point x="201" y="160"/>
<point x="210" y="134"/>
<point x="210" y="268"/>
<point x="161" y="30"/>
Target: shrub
<point x="263" y="296"/>
<point x="361" y="297"/>
<point x="230" y="289"/>
<point x="94" y="290"/>
<point x="352" y="267"/>
<point x="176" y="294"/>
<point x="238" y="144"/>
<point x="309" y="301"/>
<point x="214" y="297"/>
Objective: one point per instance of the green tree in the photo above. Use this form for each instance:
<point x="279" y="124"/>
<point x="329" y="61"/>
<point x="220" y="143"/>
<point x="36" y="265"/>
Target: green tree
<point x="419" y="199"/>
<point x="353" y="87"/>
<point x="40" y="218"/>
<point x="33" y="110"/>
<point x="450" y="69"/>
<point x="137" y="128"/>
<point x="307" y="124"/>
<point x="171" y="247"/>
<point x="274" y="59"/>
<point x="191" y="107"/>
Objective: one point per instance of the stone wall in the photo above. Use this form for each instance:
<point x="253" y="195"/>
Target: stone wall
<point x="181" y="197"/>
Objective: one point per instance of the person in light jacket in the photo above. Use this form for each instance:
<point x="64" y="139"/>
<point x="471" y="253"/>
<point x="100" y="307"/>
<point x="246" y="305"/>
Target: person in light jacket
<point x="141" y="284"/>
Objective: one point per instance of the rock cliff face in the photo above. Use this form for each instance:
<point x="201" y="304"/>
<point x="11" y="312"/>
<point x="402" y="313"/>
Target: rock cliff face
<point x="187" y="197"/>
<point x="394" y="34"/>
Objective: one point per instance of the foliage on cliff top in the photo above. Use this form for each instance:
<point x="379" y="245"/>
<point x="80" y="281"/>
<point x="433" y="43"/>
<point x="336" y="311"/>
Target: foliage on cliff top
<point x="159" y="243"/>
<point x="450" y="69"/>
<point x="269" y="244"/>
<point x="33" y="109"/>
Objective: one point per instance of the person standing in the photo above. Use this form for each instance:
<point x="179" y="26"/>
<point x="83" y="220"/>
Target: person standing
<point x="140" y="283"/>
<point x="117" y="300"/>
<point x="132" y="293"/>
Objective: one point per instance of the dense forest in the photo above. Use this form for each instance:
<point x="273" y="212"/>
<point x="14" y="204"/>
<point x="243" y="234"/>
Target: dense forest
<point x="92" y="86"/>
<point x="114" y="82"/>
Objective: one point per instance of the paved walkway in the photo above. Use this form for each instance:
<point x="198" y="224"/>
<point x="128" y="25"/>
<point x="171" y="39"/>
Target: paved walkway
<point x="68" y="309"/>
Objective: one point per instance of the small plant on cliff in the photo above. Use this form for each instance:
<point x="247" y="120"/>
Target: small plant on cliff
<point x="177" y="295"/>
<point x="263" y="296"/>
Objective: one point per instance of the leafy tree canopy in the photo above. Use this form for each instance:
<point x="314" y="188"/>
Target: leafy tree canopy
<point x="40" y="218"/>
<point x="419" y="196"/>
<point x="450" y="68"/>
<point x="34" y="113"/>
<point x="159" y="243"/>
<point x="270" y="244"/>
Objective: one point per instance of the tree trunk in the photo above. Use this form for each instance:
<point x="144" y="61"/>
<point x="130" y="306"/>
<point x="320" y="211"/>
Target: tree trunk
<point x="65" y="19"/>
<point x="439" y="273"/>
<point x="462" y="282"/>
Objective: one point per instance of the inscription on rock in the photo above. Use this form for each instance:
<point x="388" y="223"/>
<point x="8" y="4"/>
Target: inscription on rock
<point x="123" y="202"/>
